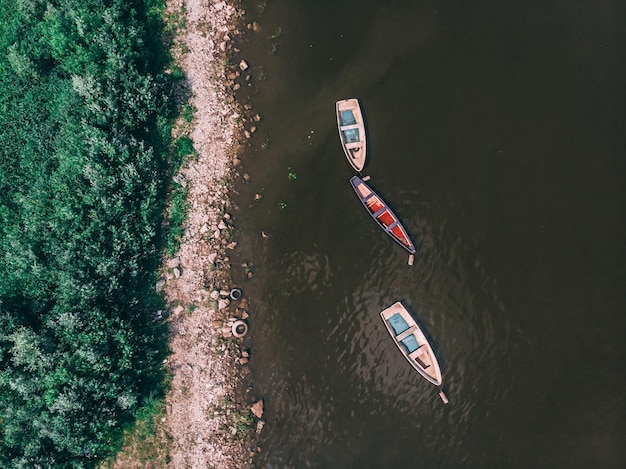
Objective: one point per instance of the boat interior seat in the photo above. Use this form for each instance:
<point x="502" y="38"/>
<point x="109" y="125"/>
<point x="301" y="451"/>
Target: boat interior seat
<point x="406" y="333"/>
<point x="420" y="355"/>
<point x="364" y="191"/>
<point x="349" y="127"/>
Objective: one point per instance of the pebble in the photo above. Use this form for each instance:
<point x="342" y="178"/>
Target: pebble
<point x="243" y="65"/>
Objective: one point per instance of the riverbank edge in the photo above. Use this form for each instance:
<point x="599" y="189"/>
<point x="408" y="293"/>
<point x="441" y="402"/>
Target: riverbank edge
<point x="210" y="417"/>
<point x="208" y="405"/>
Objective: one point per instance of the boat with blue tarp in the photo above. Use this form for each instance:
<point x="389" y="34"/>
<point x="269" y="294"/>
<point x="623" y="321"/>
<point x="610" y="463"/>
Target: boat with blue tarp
<point x="352" y="132"/>
<point x="412" y="342"/>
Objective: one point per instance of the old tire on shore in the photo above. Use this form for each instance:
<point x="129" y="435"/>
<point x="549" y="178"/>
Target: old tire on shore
<point x="239" y="329"/>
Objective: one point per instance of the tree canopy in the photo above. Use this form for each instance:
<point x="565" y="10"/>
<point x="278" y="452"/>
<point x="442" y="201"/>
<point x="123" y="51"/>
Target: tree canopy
<point x="83" y="171"/>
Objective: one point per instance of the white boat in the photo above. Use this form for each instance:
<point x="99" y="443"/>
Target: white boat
<point x="352" y="132"/>
<point x="412" y="342"/>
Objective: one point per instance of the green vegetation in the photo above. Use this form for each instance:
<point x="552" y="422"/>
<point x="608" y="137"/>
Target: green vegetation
<point x="145" y="442"/>
<point x="262" y="6"/>
<point x="84" y="165"/>
<point x="178" y="214"/>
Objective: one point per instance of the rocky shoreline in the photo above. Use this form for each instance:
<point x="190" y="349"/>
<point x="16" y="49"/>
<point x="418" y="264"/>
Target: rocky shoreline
<point x="211" y="416"/>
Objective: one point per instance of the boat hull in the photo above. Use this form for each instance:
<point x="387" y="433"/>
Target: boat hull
<point x="352" y="132"/>
<point x="412" y="342"/>
<point x="382" y="214"/>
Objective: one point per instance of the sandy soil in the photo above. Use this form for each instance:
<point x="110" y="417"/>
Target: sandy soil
<point x="209" y="414"/>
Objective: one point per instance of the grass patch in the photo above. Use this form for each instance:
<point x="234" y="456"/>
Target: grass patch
<point x="187" y="113"/>
<point x="178" y="215"/>
<point x="145" y="442"/>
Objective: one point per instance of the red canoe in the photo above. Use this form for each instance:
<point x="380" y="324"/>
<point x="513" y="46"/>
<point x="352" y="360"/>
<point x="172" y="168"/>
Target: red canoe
<point x="381" y="212"/>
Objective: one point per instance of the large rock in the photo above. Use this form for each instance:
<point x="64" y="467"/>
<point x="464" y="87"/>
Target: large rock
<point x="259" y="426"/>
<point x="257" y="408"/>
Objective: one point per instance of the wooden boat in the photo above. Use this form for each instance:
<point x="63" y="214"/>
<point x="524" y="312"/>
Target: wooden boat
<point x="352" y="132"/>
<point x="412" y="343"/>
<point x="381" y="212"/>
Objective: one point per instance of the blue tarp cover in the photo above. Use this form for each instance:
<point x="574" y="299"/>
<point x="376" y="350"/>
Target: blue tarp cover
<point x="347" y="118"/>
<point x="351" y="135"/>
<point x="398" y="323"/>
<point x="410" y="343"/>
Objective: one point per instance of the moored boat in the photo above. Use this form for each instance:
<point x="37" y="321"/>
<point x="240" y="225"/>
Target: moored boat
<point x="412" y="343"/>
<point x="381" y="212"/>
<point x="352" y="132"/>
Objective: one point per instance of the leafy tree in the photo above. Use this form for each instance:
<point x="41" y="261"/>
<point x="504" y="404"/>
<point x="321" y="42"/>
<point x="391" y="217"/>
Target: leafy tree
<point x="83" y="170"/>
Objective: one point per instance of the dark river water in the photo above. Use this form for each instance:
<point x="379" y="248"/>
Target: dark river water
<point x="497" y="133"/>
